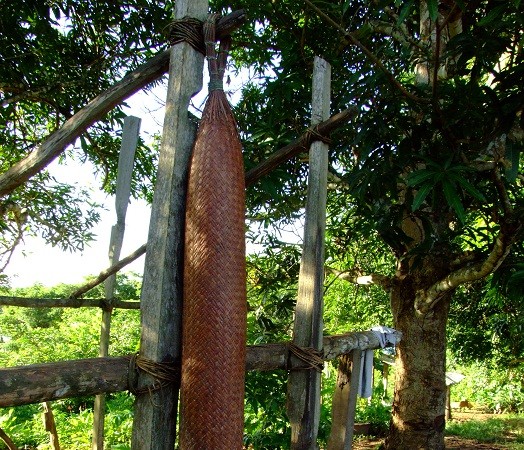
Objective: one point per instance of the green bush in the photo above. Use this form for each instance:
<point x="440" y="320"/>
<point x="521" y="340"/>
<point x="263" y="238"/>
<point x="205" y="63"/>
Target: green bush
<point x="497" y="389"/>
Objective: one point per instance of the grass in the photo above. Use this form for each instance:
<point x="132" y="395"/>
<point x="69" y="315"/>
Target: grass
<point x="505" y="430"/>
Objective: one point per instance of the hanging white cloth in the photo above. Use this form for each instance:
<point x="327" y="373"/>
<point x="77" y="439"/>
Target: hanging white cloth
<point x="386" y="337"/>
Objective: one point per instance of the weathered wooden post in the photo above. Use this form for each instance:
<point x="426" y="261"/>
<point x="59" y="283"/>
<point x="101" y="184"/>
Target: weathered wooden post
<point x="50" y="426"/>
<point x="303" y="402"/>
<point x="345" y="401"/>
<point x="154" y="425"/>
<point x="123" y="190"/>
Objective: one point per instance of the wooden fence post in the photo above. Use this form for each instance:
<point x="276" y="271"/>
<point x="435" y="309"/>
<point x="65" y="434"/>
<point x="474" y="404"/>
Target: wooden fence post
<point x="123" y="191"/>
<point x="345" y="401"/>
<point x="303" y="395"/>
<point x="154" y="425"/>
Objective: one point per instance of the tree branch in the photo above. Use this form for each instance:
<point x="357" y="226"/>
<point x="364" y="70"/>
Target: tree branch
<point x="425" y="300"/>
<point x="372" y="57"/>
<point x="108" y="272"/>
<point x="355" y="277"/>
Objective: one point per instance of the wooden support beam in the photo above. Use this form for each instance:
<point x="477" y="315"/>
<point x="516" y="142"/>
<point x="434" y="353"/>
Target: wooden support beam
<point x="303" y="394"/>
<point x="299" y="145"/>
<point x="126" y="160"/>
<point x="52" y="381"/>
<point x="155" y="416"/>
<point x="38" y="383"/>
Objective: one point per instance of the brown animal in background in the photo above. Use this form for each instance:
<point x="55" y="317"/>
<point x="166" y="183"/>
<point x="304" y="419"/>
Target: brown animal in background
<point x="463" y="404"/>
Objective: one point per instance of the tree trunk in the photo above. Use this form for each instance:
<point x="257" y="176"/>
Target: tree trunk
<point x="418" y="413"/>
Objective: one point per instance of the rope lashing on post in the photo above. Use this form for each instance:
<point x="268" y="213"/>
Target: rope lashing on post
<point x="187" y="29"/>
<point x="163" y="374"/>
<point x="312" y="357"/>
<point x="312" y="135"/>
<point x="215" y="304"/>
<point x="190" y="29"/>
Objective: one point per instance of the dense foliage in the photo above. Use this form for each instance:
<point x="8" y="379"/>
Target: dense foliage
<point x="55" y="58"/>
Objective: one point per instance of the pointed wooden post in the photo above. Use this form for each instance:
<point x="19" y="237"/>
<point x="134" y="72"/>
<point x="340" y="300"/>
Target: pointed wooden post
<point x="154" y="425"/>
<point x="303" y="402"/>
<point x="123" y="191"/>
<point x="50" y="426"/>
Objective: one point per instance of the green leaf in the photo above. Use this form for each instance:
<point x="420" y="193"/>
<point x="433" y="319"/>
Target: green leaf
<point x="472" y="190"/>
<point x="421" y="195"/>
<point x="345" y="6"/>
<point x="513" y="154"/>
<point x="453" y="199"/>
<point x="404" y="12"/>
<point x="420" y="176"/>
<point x="492" y="16"/>
<point x="461" y="4"/>
<point x="433" y="9"/>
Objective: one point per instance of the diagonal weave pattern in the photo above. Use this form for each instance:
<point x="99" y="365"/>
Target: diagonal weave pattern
<point x="214" y="321"/>
<point x="214" y="315"/>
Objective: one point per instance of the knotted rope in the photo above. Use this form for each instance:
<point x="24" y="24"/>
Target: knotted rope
<point x="187" y="29"/>
<point x="163" y="374"/>
<point x="312" y="357"/>
<point x="216" y="63"/>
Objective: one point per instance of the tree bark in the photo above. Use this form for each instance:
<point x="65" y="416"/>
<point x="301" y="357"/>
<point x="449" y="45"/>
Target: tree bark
<point x="418" y="414"/>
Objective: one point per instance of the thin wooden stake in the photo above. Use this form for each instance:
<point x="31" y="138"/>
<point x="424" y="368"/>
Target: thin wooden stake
<point x="303" y="403"/>
<point x="7" y="440"/>
<point x="123" y="191"/>
<point x="154" y="426"/>
<point x="50" y="425"/>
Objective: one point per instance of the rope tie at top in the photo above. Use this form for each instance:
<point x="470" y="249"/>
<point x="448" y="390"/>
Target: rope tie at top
<point x="312" y="135"/>
<point x="202" y="37"/>
<point x="187" y="29"/>
<point x="216" y="62"/>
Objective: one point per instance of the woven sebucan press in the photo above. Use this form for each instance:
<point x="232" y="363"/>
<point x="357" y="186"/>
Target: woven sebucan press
<point x="214" y="311"/>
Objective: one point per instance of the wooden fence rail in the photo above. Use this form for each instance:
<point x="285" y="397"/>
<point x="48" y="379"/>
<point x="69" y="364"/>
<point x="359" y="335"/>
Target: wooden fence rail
<point x="68" y="302"/>
<point x="52" y="381"/>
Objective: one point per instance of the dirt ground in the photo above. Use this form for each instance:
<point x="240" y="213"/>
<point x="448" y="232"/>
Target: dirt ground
<point x="452" y="442"/>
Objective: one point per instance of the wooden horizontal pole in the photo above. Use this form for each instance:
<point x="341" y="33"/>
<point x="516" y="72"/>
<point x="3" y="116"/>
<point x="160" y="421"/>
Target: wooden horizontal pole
<point x="299" y="145"/>
<point x="67" y="302"/>
<point x="52" y="381"/>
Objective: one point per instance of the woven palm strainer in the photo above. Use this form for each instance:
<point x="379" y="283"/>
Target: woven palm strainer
<point x="214" y="312"/>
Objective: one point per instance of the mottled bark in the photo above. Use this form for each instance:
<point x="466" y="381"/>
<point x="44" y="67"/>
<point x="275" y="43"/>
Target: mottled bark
<point x="418" y="414"/>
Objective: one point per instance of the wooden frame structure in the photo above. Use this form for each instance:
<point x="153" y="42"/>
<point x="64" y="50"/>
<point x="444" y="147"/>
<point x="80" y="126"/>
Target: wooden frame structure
<point x="155" y="414"/>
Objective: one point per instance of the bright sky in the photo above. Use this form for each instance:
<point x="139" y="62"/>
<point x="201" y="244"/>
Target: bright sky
<point x="35" y="262"/>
